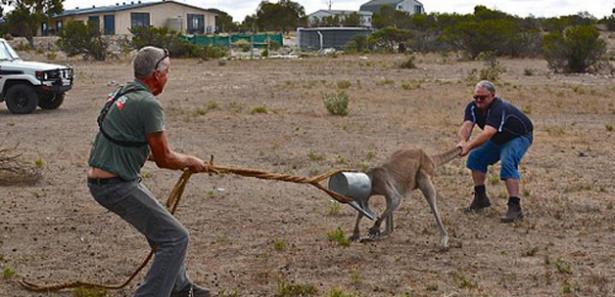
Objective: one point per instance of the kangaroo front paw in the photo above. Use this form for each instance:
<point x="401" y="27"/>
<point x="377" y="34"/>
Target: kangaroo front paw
<point x="374" y="233"/>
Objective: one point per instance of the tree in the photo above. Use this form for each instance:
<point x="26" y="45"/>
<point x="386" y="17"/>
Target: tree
<point x="575" y="50"/>
<point x="388" y="16"/>
<point x="224" y="22"/>
<point x="81" y="38"/>
<point x="352" y="20"/>
<point x="27" y="15"/>
<point x="282" y="16"/>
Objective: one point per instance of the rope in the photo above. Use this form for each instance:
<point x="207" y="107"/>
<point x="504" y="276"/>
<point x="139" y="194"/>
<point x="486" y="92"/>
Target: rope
<point x="173" y="202"/>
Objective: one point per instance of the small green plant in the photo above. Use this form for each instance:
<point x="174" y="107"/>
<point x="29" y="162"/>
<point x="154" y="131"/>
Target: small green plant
<point x="528" y="72"/>
<point x="336" y="104"/>
<point x="8" y="273"/>
<point x="200" y="111"/>
<point x="338" y="236"/>
<point x="242" y="44"/>
<point x="39" y="163"/>
<point x="315" y="156"/>
<point x="338" y="292"/>
<point x="211" y="105"/>
<point x="279" y="245"/>
<point x="343" y="84"/>
<point x="527" y="109"/>
<point x="385" y="82"/>
<point x="289" y="289"/>
<point x="355" y="277"/>
<point x="463" y="282"/>
<point x="609" y="127"/>
<point x="259" y="109"/>
<point x="410" y="85"/>
<point x="89" y="292"/>
<point x="409" y="63"/>
<point x="563" y="267"/>
<point x="235" y="107"/>
<point x="52" y="55"/>
<point x="431" y="287"/>
<point x="531" y="252"/>
<point x="265" y="53"/>
<point x="334" y="208"/>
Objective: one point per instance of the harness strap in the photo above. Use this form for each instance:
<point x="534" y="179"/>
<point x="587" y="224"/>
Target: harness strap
<point x="103" y="115"/>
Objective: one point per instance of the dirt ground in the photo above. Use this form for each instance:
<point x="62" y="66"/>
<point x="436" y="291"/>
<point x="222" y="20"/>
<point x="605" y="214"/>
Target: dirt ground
<point x="249" y="237"/>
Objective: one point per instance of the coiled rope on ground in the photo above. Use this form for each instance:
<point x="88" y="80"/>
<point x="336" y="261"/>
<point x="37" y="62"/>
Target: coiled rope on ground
<point x="173" y="202"/>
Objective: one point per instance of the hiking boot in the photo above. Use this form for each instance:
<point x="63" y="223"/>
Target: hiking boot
<point x="192" y="290"/>
<point x="513" y="213"/>
<point x="479" y="202"/>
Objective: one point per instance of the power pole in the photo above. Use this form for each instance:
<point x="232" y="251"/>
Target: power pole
<point x="330" y="2"/>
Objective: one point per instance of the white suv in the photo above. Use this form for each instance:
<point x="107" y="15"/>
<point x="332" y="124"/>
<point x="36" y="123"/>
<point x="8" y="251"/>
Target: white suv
<point x="25" y="85"/>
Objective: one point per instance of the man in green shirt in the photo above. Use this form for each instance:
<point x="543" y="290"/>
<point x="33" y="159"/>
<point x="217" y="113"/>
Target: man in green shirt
<point x="131" y="132"/>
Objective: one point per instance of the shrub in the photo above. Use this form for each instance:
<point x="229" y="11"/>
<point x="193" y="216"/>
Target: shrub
<point x="243" y="44"/>
<point x="576" y="50"/>
<point x="343" y="84"/>
<point x="409" y="64"/>
<point x="338" y="236"/>
<point x="358" y="44"/>
<point x="286" y="289"/>
<point x="8" y="273"/>
<point x="174" y="42"/>
<point x="336" y="104"/>
<point x="81" y="38"/>
<point x="388" y="38"/>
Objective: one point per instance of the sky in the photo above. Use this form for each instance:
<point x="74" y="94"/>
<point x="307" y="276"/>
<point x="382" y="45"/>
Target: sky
<point x="542" y="8"/>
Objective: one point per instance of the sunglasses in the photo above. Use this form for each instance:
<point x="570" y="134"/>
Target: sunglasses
<point x="166" y="55"/>
<point x="480" y="97"/>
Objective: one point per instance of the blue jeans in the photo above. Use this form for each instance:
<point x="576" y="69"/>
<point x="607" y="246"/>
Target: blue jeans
<point x="134" y="203"/>
<point x="509" y="153"/>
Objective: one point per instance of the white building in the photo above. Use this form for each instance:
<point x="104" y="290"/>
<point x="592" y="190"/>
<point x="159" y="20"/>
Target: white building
<point x="316" y="17"/>
<point x="409" y="6"/>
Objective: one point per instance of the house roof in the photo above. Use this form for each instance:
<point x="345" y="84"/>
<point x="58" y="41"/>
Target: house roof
<point x="120" y="7"/>
<point x="385" y="2"/>
<point x="338" y="12"/>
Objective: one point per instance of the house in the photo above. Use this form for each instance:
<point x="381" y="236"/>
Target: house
<point x="316" y="17"/>
<point x="409" y="6"/>
<point x="118" y="19"/>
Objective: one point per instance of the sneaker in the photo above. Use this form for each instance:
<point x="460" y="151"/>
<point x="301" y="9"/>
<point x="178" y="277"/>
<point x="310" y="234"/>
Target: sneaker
<point x="513" y="213"/>
<point x="192" y="290"/>
<point x="479" y="202"/>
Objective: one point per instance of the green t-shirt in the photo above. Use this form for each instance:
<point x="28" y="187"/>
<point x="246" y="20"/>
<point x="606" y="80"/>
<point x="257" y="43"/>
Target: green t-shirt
<point x="131" y="118"/>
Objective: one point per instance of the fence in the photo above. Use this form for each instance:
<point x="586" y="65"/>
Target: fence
<point x="260" y="40"/>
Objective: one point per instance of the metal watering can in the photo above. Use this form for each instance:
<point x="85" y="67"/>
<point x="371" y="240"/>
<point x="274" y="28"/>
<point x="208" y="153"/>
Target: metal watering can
<point x="356" y="185"/>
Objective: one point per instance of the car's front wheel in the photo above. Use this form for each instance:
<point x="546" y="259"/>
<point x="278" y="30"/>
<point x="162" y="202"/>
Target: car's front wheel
<point x="51" y="101"/>
<point x="21" y="99"/>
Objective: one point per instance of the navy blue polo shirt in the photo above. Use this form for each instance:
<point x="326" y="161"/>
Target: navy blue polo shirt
<point x="508" y="120"/>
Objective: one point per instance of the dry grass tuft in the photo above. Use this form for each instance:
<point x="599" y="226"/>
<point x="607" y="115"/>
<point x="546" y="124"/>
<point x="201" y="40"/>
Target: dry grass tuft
<point x="14" y="171"/>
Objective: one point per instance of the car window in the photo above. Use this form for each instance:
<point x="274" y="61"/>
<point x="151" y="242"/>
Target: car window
<point x="6" y="52"/>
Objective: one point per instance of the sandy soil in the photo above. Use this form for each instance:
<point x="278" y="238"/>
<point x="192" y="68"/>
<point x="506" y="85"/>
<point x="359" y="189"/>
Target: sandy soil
<point x="248" y="235"/>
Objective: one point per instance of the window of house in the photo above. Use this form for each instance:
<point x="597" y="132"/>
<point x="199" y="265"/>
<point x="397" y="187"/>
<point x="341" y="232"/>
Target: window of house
<point x="59" y="26"/>
<point x="94" y="21"/>
<point x="109" y="24"/>
<point x="418" y="9"/>
<point x="44" y="29"/>
<point x="139" y="19"/>
<point x="196" y="24"/>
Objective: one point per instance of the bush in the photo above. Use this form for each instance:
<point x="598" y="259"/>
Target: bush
<point x="174" y="42"/>
<point x="336" y="104"/>
<point x="576" y="50"/>
<point x="358" y="44"/>
<point x="388" y="38"/>
<point x="409" y="64"/>
<point x="81" y="38"/>
<point x="243" y="44"/>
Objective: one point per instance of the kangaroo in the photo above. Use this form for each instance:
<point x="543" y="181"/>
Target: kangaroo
<point x="404" y="171"/>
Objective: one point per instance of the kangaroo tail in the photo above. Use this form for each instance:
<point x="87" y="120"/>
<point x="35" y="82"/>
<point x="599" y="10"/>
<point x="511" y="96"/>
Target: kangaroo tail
<point x="446" y="157"/>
